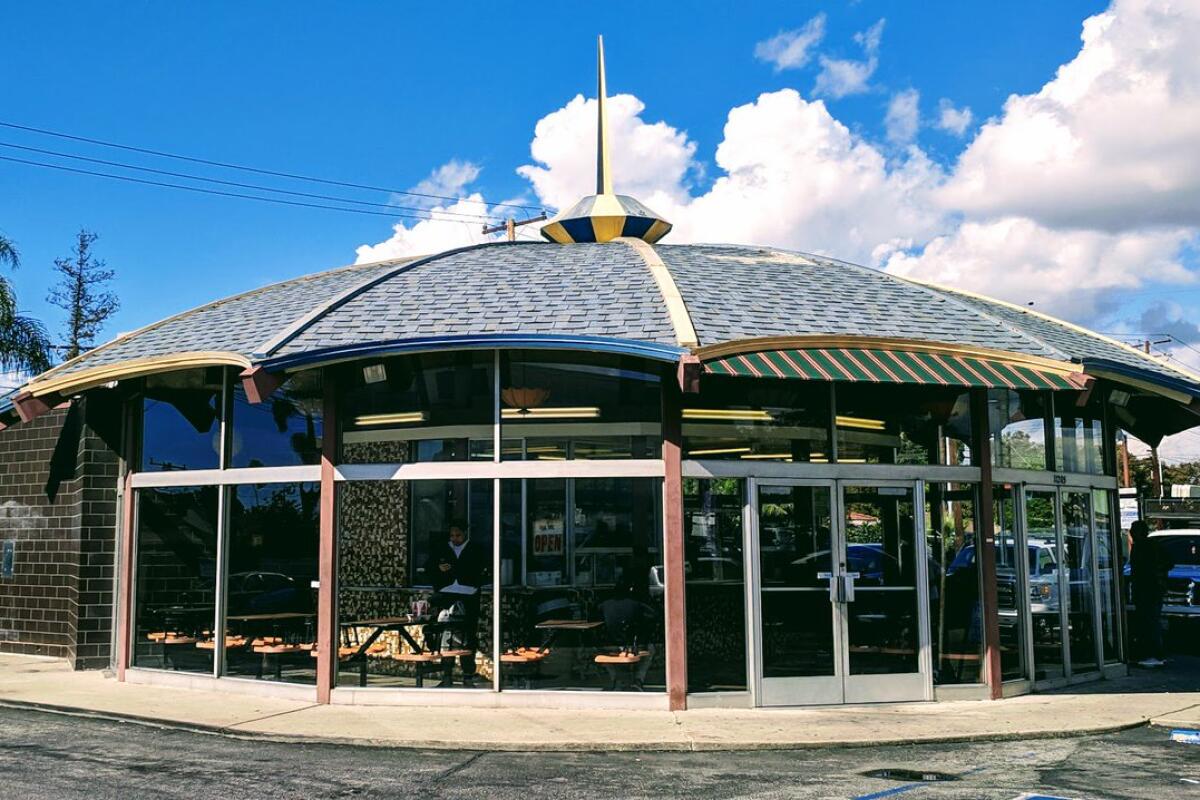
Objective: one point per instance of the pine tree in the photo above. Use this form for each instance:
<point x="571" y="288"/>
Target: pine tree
<point x="81" y="293"/>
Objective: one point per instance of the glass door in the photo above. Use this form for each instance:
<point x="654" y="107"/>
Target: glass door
<point x="798" y="622"/>
<point x="836" y="591"/>
<point x="882" y="609"/>
<point x="1045" y="554"/>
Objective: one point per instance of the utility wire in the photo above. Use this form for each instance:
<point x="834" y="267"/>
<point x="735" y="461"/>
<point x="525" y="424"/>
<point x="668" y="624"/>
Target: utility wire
<point x="220" y="193"/>
<point x="256" y="187"/>
<point x="225" y="165"/>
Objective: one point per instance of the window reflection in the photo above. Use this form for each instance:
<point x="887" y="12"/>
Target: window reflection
<point x="414" y="583"/>
<point x="581" y="569"/>
<point x="1017" y="425"/>
<point x="1045" y="559"/>
<point x="902" y="425"/>
<point x="556" y="407"/>
<point x="956" y="613"/>
<point x="1108" y="566"/>
<point x="270" y="599"/>
<point x="713" y="571"/>
<point x="283" y="430"/>
<point x="757" y="420"/>
<point x="181" y="420"/>
<point x="1010" y="583"/>
<point x="1079" y="435"/>
<point x="427" y="407"/>
<point x="175" y="577"/>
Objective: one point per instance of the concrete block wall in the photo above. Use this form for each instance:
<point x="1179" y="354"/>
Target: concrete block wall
<point x="59" y="600"/>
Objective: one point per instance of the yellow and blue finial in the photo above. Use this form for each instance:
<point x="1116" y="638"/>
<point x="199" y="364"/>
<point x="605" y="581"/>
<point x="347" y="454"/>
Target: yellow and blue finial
<point x="604" y="216"/>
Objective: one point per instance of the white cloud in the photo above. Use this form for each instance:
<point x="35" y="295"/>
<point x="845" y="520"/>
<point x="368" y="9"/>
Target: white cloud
<point x="445" y="229"/>
<point x="1075" y="274"/>
<point x="448" y="180"/>
<point x="903" y="116"/>
<point x="840" y="77"/>
<point x="792" y="49"/>
<point x="1112" y="142"/>
<point x="953" y="120"/>
<point x="649" y="160"/>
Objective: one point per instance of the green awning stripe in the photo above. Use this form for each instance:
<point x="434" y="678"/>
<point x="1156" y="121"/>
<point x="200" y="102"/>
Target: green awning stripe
<point x="862" y="365"/>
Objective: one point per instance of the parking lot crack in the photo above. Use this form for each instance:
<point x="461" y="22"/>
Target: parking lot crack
<point x="240" y="723"/>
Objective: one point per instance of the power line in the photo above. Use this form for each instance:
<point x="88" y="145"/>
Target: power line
<point x="220" y="193"/>
<point x="256" y="187"/>
<point x="289" y="175"/>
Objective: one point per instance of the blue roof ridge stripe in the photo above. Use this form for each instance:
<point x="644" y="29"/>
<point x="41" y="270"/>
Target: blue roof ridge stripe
<point x="945" y="294"/>
<point x="128" y="336"/>
<point x="315" y="314"/>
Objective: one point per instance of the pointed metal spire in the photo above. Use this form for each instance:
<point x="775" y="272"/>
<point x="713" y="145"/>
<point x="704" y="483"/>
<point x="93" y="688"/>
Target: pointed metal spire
<point x="604" y="216"/>
<point x="603" y="165"/>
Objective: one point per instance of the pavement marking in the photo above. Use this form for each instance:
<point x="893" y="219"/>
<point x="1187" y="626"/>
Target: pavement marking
<point x="1185" y="736"/>
<point x="908" y="787"/>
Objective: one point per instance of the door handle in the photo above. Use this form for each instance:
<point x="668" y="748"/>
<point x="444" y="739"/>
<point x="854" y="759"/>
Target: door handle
<point x="848" y="586"/>
<point x="835" y="586"/>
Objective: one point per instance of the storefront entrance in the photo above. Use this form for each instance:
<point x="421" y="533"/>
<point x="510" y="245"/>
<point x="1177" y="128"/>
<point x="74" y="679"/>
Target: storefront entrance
<point x="838" y="568"/>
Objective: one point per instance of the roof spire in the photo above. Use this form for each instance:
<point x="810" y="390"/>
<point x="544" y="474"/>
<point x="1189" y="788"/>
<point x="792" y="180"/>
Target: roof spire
<point x="603" y="164"/>
<point x="604" y="215"/>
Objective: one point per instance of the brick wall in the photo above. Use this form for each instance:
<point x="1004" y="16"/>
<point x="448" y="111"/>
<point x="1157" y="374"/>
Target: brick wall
<point x="59" y="600"/>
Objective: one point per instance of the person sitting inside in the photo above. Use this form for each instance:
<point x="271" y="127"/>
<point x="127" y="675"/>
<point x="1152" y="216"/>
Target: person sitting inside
<point x="457" y="568"/>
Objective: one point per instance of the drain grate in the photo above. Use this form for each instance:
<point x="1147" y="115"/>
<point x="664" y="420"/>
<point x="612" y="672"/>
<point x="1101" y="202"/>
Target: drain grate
<point x="910" y="775"/>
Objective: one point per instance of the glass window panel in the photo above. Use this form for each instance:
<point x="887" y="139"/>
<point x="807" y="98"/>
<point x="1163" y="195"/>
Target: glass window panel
<point x="1017" y="425"/>
<point x="270" y="600"/>
<point x="881" y="624"/>
<point x="428" y="407"/>
<point x="795" y="525"/>
<point x="181" y="420"/>
<point x="580" y="406"/>
<point x="955" y="610"/>
<point x="716" y="587"/>
<point x="1108" y="566"/>
<point x="757" y="420"/>
<point x="414" y="583"/>
<point x="284" y="430"/>
<point x="891" y="424"/>
<point x="1044" y="589"/>
<point x="1078" y="542"/>
<point x="1009" y="584"/>
<point x="1079" y="435"/>
<point x="175" y="578"/>
<point x="582" y="590"/>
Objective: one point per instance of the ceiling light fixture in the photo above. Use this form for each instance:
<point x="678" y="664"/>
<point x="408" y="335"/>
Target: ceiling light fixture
<point x="728" y="414"/>
<point x="401" y="418"/>
<point x="574" y="412"/>
<point x="860" y="422"/>
<point x="718" y="451"/>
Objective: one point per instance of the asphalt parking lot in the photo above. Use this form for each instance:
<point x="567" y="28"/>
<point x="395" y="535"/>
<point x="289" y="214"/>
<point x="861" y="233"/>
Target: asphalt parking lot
<point x="46" y="755"/>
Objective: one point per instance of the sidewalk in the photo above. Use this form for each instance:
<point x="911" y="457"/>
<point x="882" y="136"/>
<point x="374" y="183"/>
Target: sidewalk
<point x="1124" y="703"/>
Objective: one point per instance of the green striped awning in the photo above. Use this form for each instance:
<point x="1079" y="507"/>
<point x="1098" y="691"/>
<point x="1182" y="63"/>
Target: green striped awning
<point x="894" y="366"/>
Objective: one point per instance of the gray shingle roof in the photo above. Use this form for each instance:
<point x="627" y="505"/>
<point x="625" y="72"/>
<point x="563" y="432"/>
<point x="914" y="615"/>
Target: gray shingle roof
<point x="601" y="290"/>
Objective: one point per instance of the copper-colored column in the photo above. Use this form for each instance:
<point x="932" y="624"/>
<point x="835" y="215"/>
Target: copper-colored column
<point x="327" y="638"/>
<point x="125" y="586"/>
<point x="676" y="622"/>
<point x="986" y="547"/>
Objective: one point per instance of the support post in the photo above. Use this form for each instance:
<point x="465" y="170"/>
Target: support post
<point x="125" y="584"/>
<point x="986" y="545"/>
<point x="327" y="638"/>
<point x="29" y="407"/>
<point x="258" y="384"/>
<point x="673" y="556"/>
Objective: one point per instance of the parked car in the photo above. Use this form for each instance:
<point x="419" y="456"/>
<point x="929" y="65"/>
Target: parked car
<point x="1181" y="595"/>
<point x="1043" y="575"/>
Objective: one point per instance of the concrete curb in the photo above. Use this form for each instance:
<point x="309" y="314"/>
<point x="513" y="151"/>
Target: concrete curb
<point x="569" y="747"/>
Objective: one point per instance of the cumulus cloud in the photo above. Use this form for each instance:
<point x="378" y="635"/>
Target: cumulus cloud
<point x="791" y="175"/>
<point x="903" y="116"/>
<point x="840" y="77"/>
<point x="1111" y="142"/>
<point x="448" y="180"/>
<point x="953" y="120"/>
<point x="792" y="49"/>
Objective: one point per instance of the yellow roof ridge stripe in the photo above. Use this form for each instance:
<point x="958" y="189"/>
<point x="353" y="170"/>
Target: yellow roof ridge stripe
<point x="681" y="320"/>
<point x="137" y="367"/>
<point x="1050" y="318"/>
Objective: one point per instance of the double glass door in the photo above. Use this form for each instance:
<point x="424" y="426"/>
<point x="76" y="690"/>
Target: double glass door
<point x="836" y="593"/>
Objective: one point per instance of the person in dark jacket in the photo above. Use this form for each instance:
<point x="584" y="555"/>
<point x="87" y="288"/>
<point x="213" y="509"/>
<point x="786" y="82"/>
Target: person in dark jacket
<point x="457" y="568"/>
<point x="1148" y="573"/>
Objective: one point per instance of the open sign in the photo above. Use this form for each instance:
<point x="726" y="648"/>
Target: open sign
<point x="548" y="544"/>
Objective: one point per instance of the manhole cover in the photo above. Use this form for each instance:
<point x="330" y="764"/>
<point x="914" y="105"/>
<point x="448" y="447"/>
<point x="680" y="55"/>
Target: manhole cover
<point x="910" y="775"/>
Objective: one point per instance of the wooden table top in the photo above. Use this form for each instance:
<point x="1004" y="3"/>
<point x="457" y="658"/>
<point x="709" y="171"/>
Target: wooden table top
<point x="378" y="622"/>
<point x="569" y="624"/>
<point x="268" y="617"/>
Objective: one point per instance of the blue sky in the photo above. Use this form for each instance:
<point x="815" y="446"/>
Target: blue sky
<point x="1075" y="185"/>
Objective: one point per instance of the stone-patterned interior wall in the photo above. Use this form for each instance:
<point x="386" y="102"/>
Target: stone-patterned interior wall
<point x="58" y="601"/>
